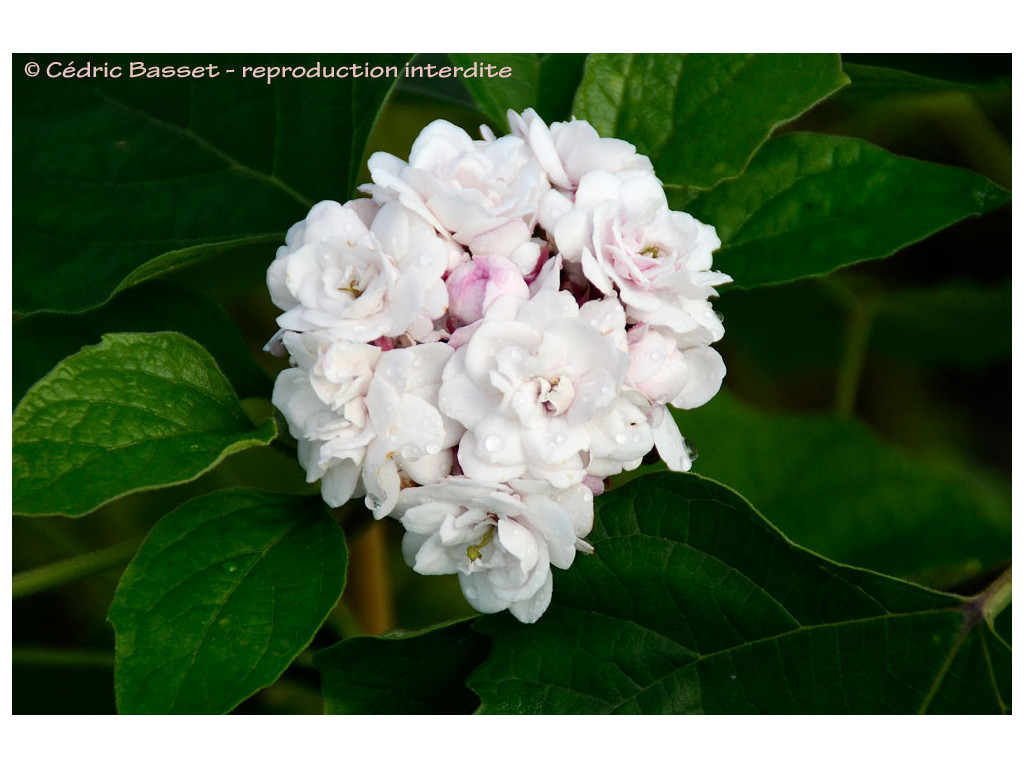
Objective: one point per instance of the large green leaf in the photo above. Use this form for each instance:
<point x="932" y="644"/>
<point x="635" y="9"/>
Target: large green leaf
<point x="869" y="81"/>
<point x="403" y="673"/>
<point x="693" y="603"/>
<point x="832" y="485"/>
<point x="113" y="173"/>
<point x="42" y="340"/>
<point x="223" y="594"/>
<point x="136" y="411"/>
<point x="544" y="81"/>
<point x="808" y="204"/>
<point x="698" y="116"/>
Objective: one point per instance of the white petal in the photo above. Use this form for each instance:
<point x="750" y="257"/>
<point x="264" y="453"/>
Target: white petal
<point x="671" y="447"/>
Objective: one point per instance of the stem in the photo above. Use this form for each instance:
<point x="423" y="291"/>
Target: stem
<point x="369" y="581"/>
<point x="66" y="571"/>
<point x="997" y="596"/>
<point x="56" y="657"/>
<point x="855" y="350"/>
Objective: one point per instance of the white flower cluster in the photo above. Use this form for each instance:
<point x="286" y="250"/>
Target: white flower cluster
<point x="488" y="337"/>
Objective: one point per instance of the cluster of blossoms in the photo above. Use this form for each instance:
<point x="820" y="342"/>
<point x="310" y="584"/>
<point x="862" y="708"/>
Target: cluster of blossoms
<point x="490" y="335"/>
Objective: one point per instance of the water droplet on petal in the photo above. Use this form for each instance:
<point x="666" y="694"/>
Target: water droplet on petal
<point x="426" y="259"/>
<point x="691" y="450"/>
<point x="620" y="438"/>
<point x="493" y="443"/>
<point x="433" y="448"/>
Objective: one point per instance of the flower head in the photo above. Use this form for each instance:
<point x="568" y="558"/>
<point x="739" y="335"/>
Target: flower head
<point x="500" y="329"/>
<point x="501" y="540"/>
<point x="358" y="272"/>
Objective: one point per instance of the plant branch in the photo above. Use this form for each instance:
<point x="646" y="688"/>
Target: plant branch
<point x="996" y="596"/>
<point x="67" y="571"/>
<point x="858" y="333"/>
<point x="58" y="657"/>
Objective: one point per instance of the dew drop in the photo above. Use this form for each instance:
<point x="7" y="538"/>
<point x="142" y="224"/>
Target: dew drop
<point x="493" y="443"/>
<point x="620" y="438"/>
<point x="655" y="356"/>
<point x="229" y="567"/>
<point x="691" y="450"/>
<point x="426" y="259"/>
<point x="433" y="448"/>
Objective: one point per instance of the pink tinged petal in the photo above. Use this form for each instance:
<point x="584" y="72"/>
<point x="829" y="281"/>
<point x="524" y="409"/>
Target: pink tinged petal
<point x="548" y="277"/>
<point x="381" y="478"/>
<point x="480" y="594"/>
<point x="500" y="240"/>
<point x="595" y="392"/>
<point x="595" y="484"/>
<point x="423" y="518"/>
<point x="595" y="273"/>
<point x="480" y="468"/>
<point x="706" y="370"/>
<point x="528" y="611"/>
<point x="474" y="287"/>
<point x="465" y="402"/>
<point x="433" y="558"/>
<point x="339" y="482"/>
<point x="556" y="444"/>
<point x="489" y="339"/>
<point x="548" y="306"/>
<point x="519" y="542"/>
<point x="411" y="543"/>
<point x="551" y="520"/>
<point x="572" y="234"/>
<point x="429" y="469"/>
<point x="608" y="317"/>
<point x="671" y="446"/>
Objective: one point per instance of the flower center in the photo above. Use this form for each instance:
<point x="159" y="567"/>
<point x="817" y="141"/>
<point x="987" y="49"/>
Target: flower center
<point x="473" y="550"/>
<point x="556" y="395"/>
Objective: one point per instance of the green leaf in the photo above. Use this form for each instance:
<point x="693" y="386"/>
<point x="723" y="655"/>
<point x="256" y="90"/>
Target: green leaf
<point x="808" y="204"/>
<point x="869" y="81"/>
<point x="136" y="411"/>
<point x="693" y="603"/>
<point x="221" y="597"/>
<point x="832" y="485"/>
<point x="403" y="673"/>
<point x="111" y="174"/>
<point x="42" y="340"/>
<point x="700" y="117"/>
<point x="544" y="81"/>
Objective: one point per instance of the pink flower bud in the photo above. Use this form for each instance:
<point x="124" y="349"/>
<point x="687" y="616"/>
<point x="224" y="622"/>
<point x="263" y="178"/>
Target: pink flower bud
<point x="475" y="285"/>
<point x="656" y="367"/>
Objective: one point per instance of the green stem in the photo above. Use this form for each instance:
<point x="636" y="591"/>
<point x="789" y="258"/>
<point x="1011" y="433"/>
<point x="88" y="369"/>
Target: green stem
<point x="56" y="657"/>
<point x="851" y="366"/>
<point x="66" y="571"/>
<point x="997" y="596"/>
